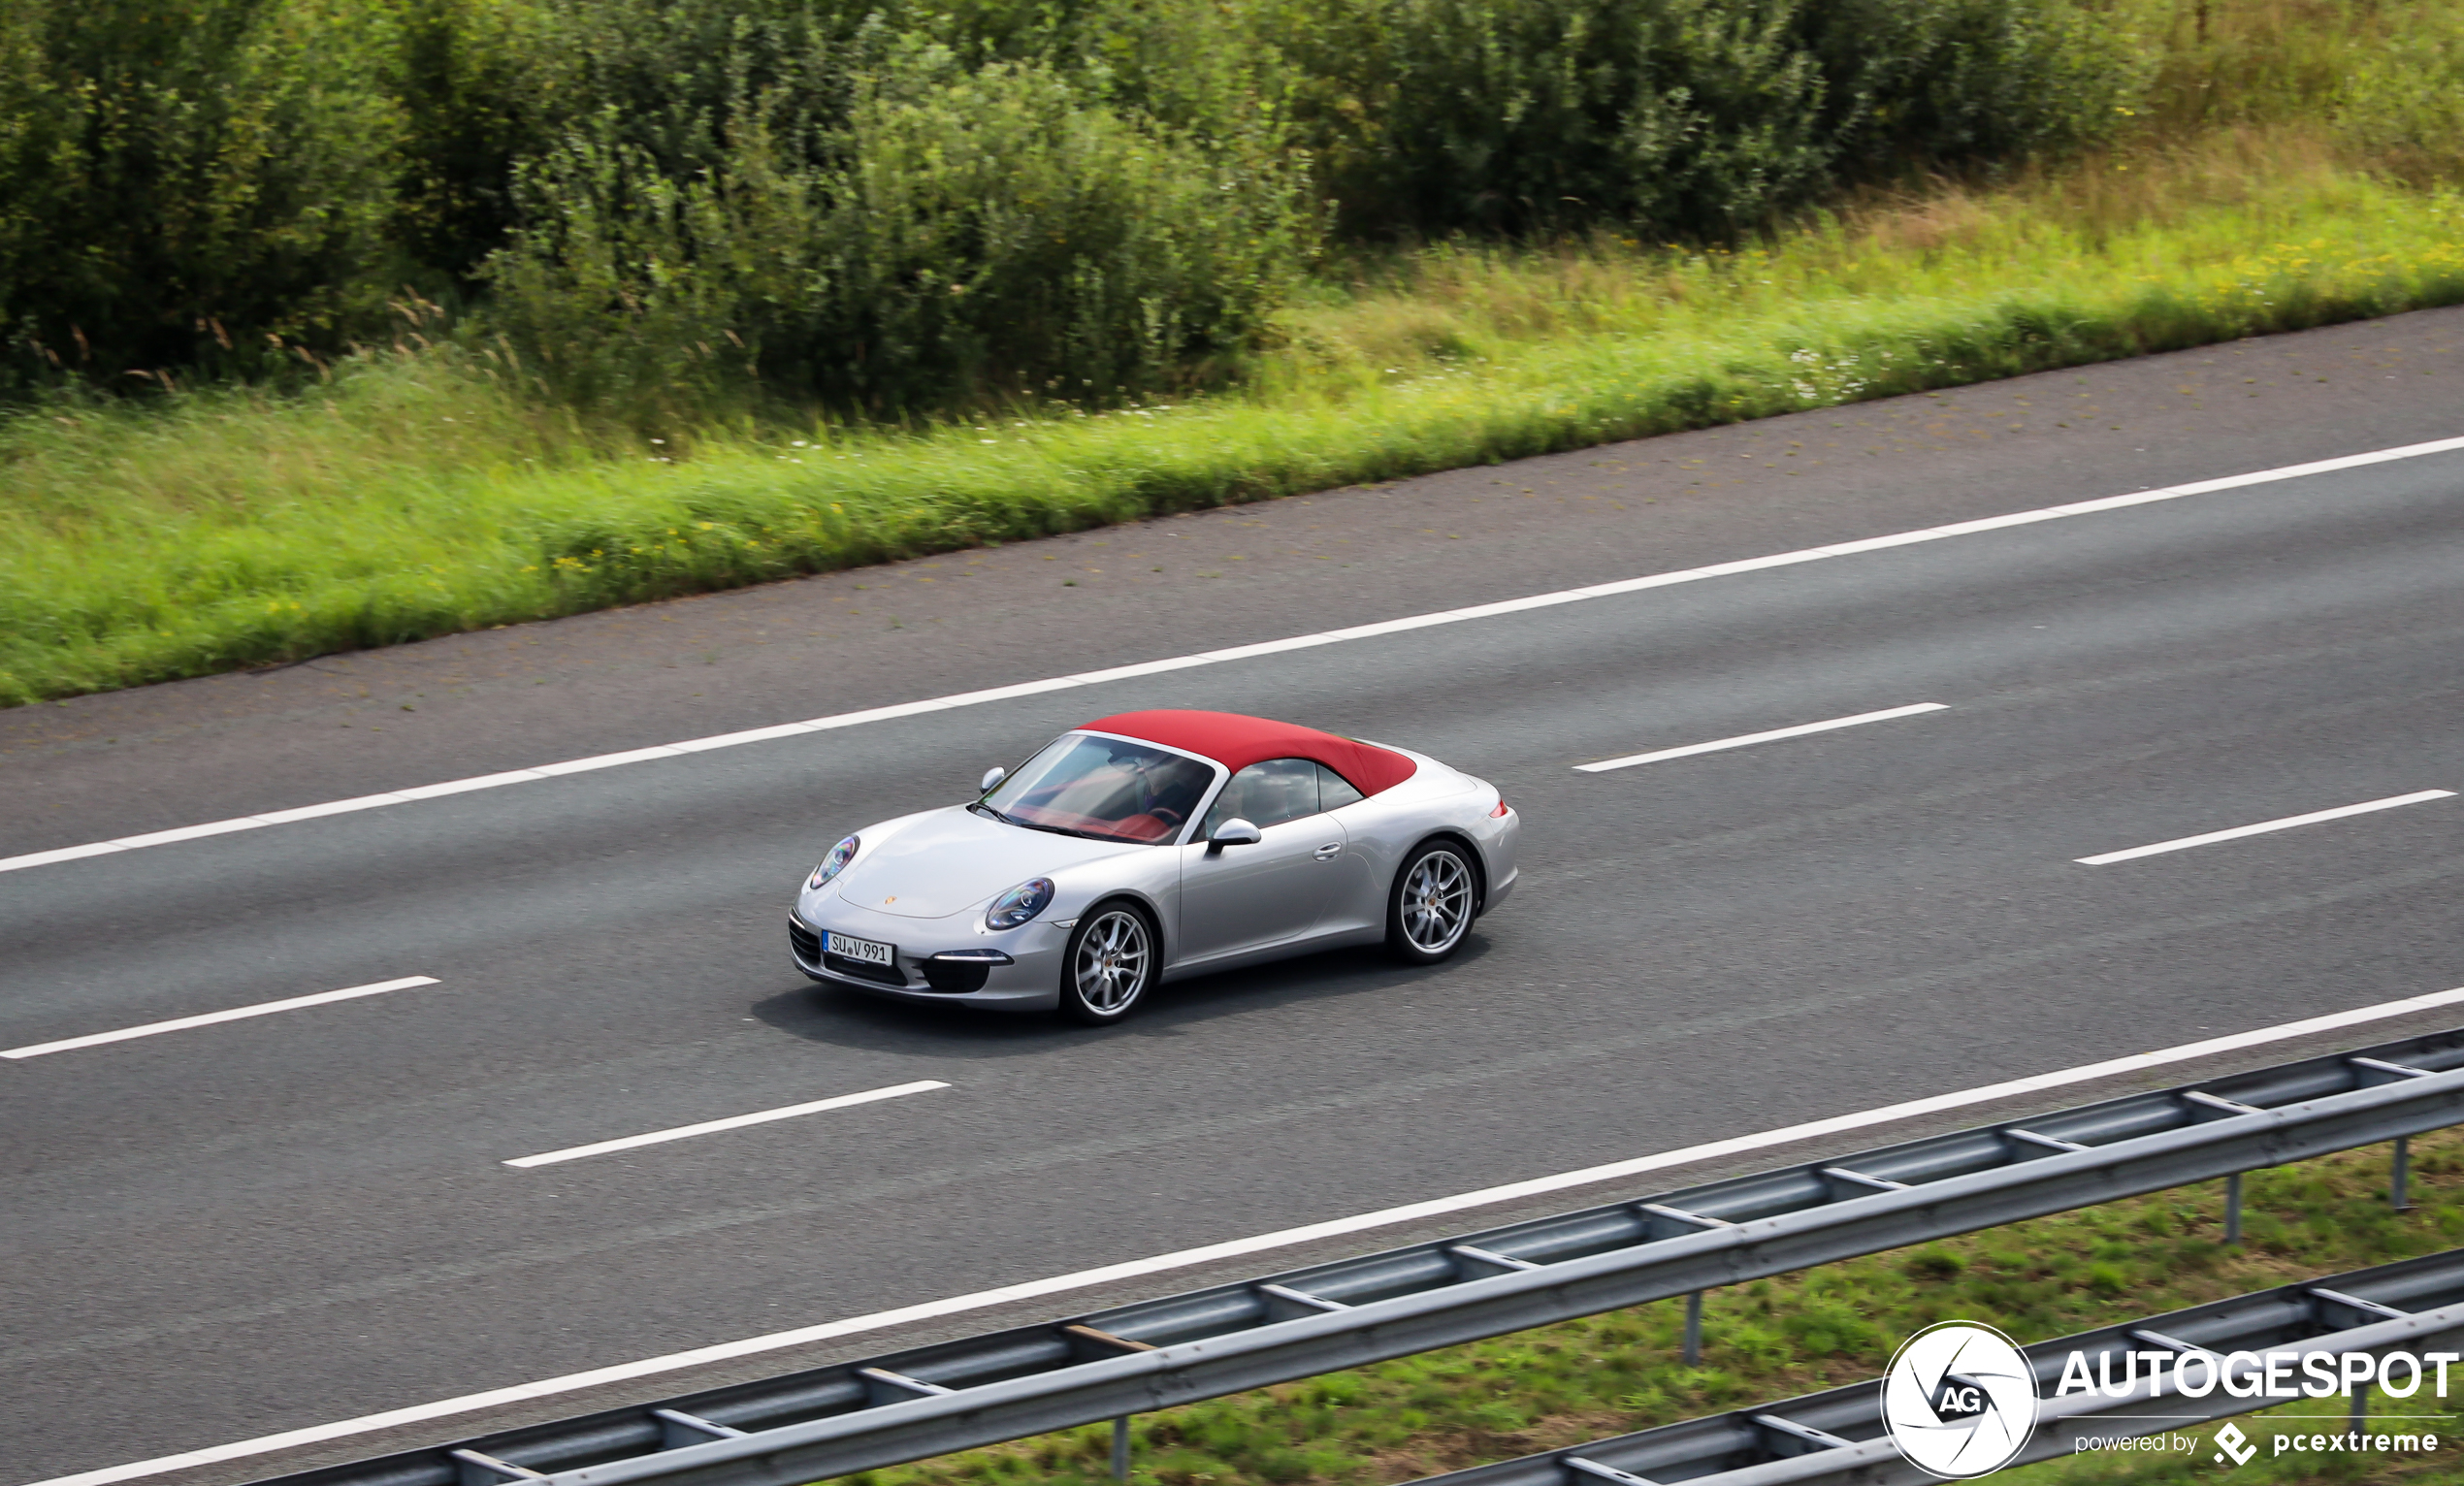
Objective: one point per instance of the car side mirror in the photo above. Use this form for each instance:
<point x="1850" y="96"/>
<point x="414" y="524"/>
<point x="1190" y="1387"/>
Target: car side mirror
<point x="992" y="777"/>
<point x="1232" y="832"/>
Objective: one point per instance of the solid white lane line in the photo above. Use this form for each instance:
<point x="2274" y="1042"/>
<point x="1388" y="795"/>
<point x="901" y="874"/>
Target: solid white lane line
<point x="731" y="1122"/>
<point x="235" y="1013"/>
<point x="1797" y="731"/>
<point x="1059" y="1284"/>
<point x="2185" y="843"/>
<point x="1236" y="652"/>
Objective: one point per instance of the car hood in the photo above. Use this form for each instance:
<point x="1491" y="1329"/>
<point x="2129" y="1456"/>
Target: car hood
<point x="945" y="862"/>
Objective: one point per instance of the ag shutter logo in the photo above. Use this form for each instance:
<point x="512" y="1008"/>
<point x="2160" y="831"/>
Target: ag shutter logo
<point x="1960" y="1399"/>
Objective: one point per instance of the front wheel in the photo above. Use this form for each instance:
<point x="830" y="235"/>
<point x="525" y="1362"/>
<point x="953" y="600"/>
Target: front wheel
<point x="1429" y="911"/>
<point x="1110" y="965"/>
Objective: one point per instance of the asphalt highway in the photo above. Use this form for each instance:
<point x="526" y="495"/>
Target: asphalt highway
<point x="263" y="1224"/>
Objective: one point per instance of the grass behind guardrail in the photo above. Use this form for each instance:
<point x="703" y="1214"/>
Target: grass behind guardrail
<point x="417" y="494"/>
<point x="1776" y="1339"/>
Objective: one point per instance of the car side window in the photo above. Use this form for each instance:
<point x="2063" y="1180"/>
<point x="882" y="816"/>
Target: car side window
<point x="1334" y="790"/>
<point x="1265" y="795"/>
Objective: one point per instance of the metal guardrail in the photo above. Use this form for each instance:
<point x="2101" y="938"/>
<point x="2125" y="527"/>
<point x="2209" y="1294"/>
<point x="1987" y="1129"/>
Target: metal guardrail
<point x="1839" y="1437"/>
<point x="1028" y="1380"/>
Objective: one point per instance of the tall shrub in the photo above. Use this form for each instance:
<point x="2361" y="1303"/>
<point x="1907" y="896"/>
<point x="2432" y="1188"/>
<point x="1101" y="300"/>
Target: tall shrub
<point x="1682" y="116"/>
<point x="1959" y="83"/>
<point x="181" y="184"/>
<point x="2405" y="102"/>
<point x="895" y="205"/>
<point x="996" y="231"/>
<point x="963" y="234"/>
<point x="484" y="85"/>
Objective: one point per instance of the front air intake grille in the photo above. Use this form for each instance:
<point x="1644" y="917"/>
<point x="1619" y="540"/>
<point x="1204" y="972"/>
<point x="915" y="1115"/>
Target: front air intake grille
<point x="806" y="943"/>
<point x="956" y="977"/>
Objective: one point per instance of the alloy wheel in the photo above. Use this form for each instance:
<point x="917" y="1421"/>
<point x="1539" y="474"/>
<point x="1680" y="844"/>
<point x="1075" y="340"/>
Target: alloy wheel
<point x="1437" y="902"/>
<point x="1110" y="969"/>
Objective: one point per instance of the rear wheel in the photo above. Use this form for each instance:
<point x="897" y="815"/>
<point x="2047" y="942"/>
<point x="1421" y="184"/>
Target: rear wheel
<point x="1110" y="965"/>
<point x="1429" y="909"/>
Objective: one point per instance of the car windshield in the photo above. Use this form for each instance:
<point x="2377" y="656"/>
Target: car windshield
<point x="1105" y="787"/>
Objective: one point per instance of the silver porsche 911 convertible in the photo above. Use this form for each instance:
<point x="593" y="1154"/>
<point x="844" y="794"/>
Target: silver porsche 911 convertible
<point x="1149" y="846"/>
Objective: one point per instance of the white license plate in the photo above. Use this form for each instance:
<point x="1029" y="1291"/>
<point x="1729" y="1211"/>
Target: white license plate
<point x="864" y="951"/>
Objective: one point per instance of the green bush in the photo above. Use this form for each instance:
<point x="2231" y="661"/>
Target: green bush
<point x="961" y="235"/>
<point x="895" y="205"/>
<point x="1444" y="115"/>
<point x="1955" y="83"/>
<point x="183" y="186"/>
<point x="2405" y="100"/>
<point x="998" y="232"/>
<point x="1684" y="117"/>
<point x="484" y="85"/>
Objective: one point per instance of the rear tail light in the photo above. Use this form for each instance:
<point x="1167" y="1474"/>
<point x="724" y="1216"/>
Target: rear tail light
<point x="1501" y="808"/>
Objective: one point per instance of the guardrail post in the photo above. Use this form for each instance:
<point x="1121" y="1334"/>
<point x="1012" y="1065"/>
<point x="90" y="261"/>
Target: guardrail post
<point x="1120" y="1449"/>
<point x="2360" y="1409"/>
<point x="2233" y="1209"/>
<point x="1694" y="1328"/>
<point x="2399" y="1168"/>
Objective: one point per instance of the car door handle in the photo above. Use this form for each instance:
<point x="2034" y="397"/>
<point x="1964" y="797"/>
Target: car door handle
<point x="1330" y="850"/>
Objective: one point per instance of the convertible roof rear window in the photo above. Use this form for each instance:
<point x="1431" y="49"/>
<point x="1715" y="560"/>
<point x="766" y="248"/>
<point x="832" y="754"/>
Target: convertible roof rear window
<point x="1235" y="742"/>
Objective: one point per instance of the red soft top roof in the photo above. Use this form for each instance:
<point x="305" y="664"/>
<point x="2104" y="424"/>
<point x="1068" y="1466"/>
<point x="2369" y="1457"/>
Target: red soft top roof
<point x="1235" y="742"/>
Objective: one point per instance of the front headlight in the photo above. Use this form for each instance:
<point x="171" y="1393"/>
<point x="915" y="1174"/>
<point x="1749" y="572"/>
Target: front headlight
<point x="834" y="864"/>
<point x="1020" y="904"/>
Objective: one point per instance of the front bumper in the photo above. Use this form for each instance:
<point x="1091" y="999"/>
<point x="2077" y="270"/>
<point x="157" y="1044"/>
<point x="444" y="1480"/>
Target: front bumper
<point x="940" y="961"/>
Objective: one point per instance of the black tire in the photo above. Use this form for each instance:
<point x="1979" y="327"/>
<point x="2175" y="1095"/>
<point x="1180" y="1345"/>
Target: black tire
<point x="1121" y="953"/>
<point x="1430" y="907"/>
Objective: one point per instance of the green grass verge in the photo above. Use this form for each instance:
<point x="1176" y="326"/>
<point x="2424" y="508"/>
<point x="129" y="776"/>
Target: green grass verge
<point x="1776" y="1338"/>
<point x="416" y="496"/>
